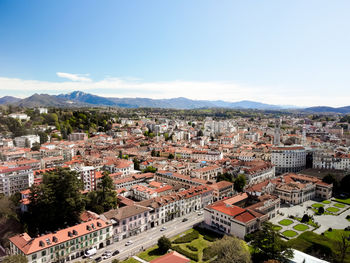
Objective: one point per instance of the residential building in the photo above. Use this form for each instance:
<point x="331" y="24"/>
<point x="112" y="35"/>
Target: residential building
<point x="77" y="136"/>
<point x="288" y="159"/>
<point x="63" y="245"/>
<point x="14" y="180"/>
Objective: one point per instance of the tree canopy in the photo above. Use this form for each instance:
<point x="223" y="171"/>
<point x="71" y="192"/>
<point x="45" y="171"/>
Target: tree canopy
<point x="267" y="245"/>
<point x="56" y="203"/>
<point x="239" y="183"/>
<point x="230" y="249"/>
<point x="164" y="244"/>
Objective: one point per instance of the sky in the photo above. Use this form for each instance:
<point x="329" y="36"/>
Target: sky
<point x="277" y="52"/>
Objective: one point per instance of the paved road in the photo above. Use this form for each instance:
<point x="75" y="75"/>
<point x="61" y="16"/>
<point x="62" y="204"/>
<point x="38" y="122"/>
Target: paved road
<point x="149" y="238"/>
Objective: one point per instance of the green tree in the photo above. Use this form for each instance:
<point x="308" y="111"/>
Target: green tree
<point x="56" y="203"/>
<point x="330" y="179"/>
<point x="15" y="259"/>
<point x="115" y="261"/>
<point x="345" y="184"/>
<point x="230" y="249"/>
<point x="239" y="183"/>
<point x="164" y="244"/>
<point x="35" y="147"/>
<point x="150" y="169"/>
<point x="136" y="164"/>
<point x="200" y="133"/>
<point x="305" y="218"/>
<point x="171" y="156"/>
<point x="267" y="244"/>
<point x="320" y="210"/>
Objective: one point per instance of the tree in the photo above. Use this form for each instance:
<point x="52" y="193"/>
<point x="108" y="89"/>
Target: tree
<point x="343" y="246"/>
<point x="164" y="244"/>
<point x="239" y="183"/>
<point x="56" y="203"/>
<point x="35" y="147"/>
<point x="15" y="259"/>
<point x="153" y="153"/>
<point x="230" y="249"/>
<point x="330" y="179"/>
<point x="136" y="164"/>
<point x="305" y="218"/>
<point x="150" y="169"/>
<point x="116" y="260"/>
<point x="267" y="244"/>
<point x="320" y="210"/>
<point x="171" y="156"/>
<point x="345" y="184"/>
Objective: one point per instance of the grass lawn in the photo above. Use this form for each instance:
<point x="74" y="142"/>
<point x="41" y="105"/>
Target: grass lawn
<point x="345" y="201"/>
<point x="310" y="223"/>
<point x="339" y="205"/>
<point x="290" y="233"/>
<point x="311" y="242"/>
<point x="301" y="227"/>
<point x="285" y="222"/>
<point x="317" y="205"/>
<point x="150" y="254"/>
<point x="130" y="260"/>
<point x="277" y="228"/>
<point x="332" y="209"/>
<point x="326" y="201"/>
<point x="335" y="234"/>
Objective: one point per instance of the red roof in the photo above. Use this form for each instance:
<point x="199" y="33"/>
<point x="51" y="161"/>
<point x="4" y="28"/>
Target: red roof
<point x="172" y="257"/>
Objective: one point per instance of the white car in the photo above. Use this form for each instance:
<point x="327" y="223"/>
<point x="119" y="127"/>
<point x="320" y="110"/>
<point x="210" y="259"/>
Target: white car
<point x="106" y="254"/>
<point x="163" y="228"/>
<point x="200" y="213"/>
<point x="128" y="243"/>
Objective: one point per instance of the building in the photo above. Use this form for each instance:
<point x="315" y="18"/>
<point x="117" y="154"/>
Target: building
<point x="14" y="180"/>
<point x="27" y="141"/>
<point x="336" y="161"/>
<point x="128" y="221"/>
<point x="233" y="220"/>
<point x="20" y="116"/>
<point x="277" y="133"/>
<point x="63" y="245"/>
<point x="288" y="159"/>
<point x="207" y="173"/>
<point x="126" y="167"/>
<point x="88" y="176"/>
<point x="77" y="136"/>
<point x="171" y="257"/>
<point x="221" y="190"/>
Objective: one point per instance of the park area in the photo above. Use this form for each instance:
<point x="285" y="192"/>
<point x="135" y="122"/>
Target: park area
<point x="330" y="207"/>
<point x="194" y="244"/>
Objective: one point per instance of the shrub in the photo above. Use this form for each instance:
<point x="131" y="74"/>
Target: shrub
<point x="348" y="217"/>
<point x="187" y="238"/>
<point x="320" y="210"/>
<point x="207" y="254"/>
<point x="330" y="229"/>
<point x="190" y="255"/>
<point x="193" y="248"/>
<point x="164" y="244"/>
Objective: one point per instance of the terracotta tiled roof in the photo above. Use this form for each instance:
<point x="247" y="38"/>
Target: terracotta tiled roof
<point x="172" y="257"/>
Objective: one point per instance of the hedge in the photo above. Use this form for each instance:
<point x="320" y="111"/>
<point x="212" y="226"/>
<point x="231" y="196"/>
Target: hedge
<point x="187" y="238"/>
<point x="193" y="248"/>
<point x="190" y="255"/>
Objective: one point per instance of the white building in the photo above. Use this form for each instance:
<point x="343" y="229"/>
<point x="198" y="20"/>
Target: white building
<point x="27" y="141"/>
<point x="87" y="175"/>
<point x="19" y="116"/>
<point x="323" y="160"/>
<point x="13" y="180"/>
<point x="288" y="159"/>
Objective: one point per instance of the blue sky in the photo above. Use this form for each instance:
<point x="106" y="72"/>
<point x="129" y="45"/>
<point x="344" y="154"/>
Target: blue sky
<point x="280" y="52"/>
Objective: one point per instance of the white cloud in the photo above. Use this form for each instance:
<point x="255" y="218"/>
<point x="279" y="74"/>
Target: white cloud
<point x="73" y="77"/>
<point x="227" y="91"/>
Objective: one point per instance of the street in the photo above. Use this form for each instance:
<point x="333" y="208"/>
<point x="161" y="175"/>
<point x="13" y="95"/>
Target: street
<point x="149" y="238"/>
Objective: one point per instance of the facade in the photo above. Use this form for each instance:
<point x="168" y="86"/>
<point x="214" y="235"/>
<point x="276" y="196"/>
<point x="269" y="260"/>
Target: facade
<point x="63" y="245"/>
<point x="233" y="220"/>
<point x="13" y="180"/>
<point x="26" y="141"/>
<point x="322" y="160"/>
<point x="77" y="136"/>
<point x="128" y="221"/>
<point x="207" y="173"/>
<point x="221" y="190"/>
<point x="88" y="176"/>
<point x="288" y="159"/>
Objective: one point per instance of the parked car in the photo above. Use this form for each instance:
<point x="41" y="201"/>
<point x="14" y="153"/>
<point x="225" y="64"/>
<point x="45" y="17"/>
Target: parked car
<point x="200" y="213"/>
<point x="163" y="228"/>
<point x="115" y="252"/>
<point x="128" y="243"/>
<point x="98" y="259"/>
<point x="184" y="220"/>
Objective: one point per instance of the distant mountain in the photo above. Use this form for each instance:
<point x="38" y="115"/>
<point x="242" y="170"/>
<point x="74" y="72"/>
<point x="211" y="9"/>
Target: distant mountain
<point x="8" y="100"/>
<point x="79" y="98"/>
<point x="43" y="100"/>
<point x="325" y="109"/>
<point x="86" y="98"/>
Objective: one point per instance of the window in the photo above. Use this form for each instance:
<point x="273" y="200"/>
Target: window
<point x="43" y="253"/>
<point x="33" y="256"/>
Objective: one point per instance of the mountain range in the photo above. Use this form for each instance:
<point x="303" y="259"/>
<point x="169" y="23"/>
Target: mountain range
<point x="80" y="99"/>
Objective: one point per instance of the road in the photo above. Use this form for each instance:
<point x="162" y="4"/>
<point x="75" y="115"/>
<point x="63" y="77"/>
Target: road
<point x="149" y="238"/>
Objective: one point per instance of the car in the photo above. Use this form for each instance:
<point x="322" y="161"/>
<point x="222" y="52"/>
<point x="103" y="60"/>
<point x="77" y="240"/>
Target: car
<point x="106" y="254"/>
<point x="184" y="220"/>
<point x="200" y="213"/>
<point x="98" y="259"/>
<point x="128" y="243"/>
<point x="115" y="253"/>
<point x="163" y="228"/>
